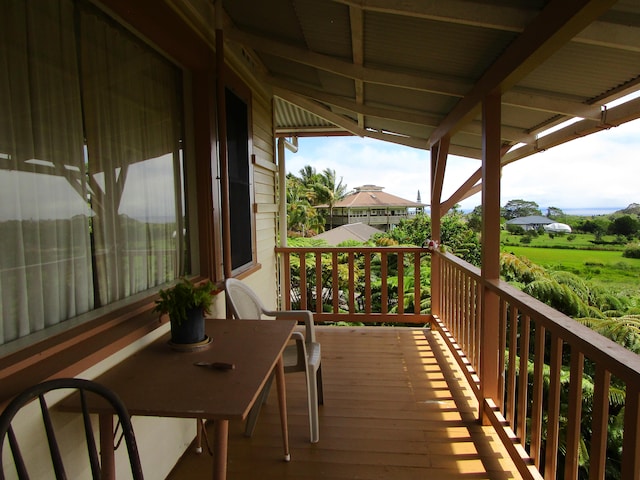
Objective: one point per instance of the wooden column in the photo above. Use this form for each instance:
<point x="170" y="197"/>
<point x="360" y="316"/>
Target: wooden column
<point x="490" y="308"/>
<point x="439" y="154"/>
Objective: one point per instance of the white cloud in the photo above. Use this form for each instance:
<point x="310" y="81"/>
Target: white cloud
<point x="598" y="171"/>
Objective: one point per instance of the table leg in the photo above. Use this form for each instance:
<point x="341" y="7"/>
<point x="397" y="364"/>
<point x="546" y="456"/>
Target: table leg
<point x="221" y="434"/>
<point x="199" y="427"/>
<point x="282" y="402"/>
<point x="107" y="454"/>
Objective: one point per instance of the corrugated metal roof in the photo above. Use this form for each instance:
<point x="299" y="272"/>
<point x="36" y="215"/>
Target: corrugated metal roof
<point x="397" y="70"/>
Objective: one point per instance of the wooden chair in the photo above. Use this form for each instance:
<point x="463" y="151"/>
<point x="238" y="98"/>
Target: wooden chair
<point x="85" y="388"/>
<point x="304" y="356"/>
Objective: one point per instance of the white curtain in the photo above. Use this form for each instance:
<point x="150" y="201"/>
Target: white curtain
<point x="45" y="259"/>
<point x="91" y="206"/>
<point x="132" y="109"/>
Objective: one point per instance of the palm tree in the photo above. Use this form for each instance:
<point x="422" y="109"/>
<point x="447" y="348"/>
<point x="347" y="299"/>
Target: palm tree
<point x="332" y="192"/>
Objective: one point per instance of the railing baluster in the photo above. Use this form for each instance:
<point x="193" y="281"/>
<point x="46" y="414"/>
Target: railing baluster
<point x="367" y="279"/>
<point x="384" y="292"/>
<point x="352" y="284"/>
<point x="502" y="348"/>
<point x="319" y="283"/>
<point x="598" y="454"/>
<point x="631" y="441"/>
<point x="574" y="414"/>
<point x="417" y="282"/>
<point x="286" y="287"/>
<point x="523" y="394"/>
<point x="304" y="305"/>
<point x="538" y="386"/>
<point x="511" y="378"/>
<point x="400" y="257"/>
<point x="335" y="285"/>
<point x="553" y="411"/>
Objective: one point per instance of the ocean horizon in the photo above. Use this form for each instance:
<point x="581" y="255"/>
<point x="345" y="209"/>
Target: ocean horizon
<point x="588" y="211"/>
<point x="581" y="211"/>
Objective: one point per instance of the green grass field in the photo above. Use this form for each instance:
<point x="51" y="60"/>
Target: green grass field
<point x="607" y="268"/>
<point x="574" y="241"/>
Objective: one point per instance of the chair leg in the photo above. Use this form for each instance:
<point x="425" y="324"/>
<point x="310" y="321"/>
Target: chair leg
<point x="252" y="418"/>
<point x="319" y="385"/>
<point x="312" y="402"/>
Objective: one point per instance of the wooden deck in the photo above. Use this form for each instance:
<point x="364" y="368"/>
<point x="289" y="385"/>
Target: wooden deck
<point x="395" y="407"/>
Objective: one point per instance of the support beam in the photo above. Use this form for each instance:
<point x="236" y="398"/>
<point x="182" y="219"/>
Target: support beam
<point x="438" y="162"/>
<point x="490" y="271"/>
<point x="558" y="23"/>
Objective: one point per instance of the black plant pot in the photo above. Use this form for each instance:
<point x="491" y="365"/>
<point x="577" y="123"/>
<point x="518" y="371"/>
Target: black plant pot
<point x="191" y="331"/>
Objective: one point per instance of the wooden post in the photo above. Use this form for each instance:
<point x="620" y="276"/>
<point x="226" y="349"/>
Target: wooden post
<point x="490" y="303"/>
<point x="439" y="154"/>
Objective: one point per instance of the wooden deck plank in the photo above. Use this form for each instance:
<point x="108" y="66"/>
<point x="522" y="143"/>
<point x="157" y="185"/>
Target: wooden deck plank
<point x="396" y="407"/>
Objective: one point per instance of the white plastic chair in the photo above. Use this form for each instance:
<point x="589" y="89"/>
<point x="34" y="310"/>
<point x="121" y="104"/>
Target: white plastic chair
<point x="304" y="356"/>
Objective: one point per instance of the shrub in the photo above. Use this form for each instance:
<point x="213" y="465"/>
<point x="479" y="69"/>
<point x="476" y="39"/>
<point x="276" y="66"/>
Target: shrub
<point x="515" y="229"/>
<point x="632" y="251"/>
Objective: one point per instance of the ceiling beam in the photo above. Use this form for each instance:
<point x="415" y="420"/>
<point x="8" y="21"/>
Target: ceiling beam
<point x="357" y="54"/>
<point x="427" y="82"/>
<point x="499" y="17"/>
<point x="560" y="21"/>
<point x="613" y="117"/>
<point x="544" y="103"/>
<point x="434" y="83"/>
<point x="511" y="134"/>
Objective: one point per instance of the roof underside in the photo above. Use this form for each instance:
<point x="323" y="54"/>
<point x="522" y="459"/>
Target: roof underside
<point x="414" y="71"/>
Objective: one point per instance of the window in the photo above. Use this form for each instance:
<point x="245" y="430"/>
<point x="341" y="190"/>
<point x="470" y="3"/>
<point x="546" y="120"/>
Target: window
<point x="240" y="192"/>
<point x="91" y="165"/>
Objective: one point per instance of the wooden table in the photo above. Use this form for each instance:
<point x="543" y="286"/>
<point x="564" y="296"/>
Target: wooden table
<point x="161" y="382"/>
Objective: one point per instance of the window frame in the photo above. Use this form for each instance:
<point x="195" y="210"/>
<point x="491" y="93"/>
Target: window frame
<point x="233" y="84"/>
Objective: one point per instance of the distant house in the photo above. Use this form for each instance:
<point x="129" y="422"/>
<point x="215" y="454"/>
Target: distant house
<point x="532" y="222"/>
<point x="368" y="204"/>
<point x="354" y="231"/>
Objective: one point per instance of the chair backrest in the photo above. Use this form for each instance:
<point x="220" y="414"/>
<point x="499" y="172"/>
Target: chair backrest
<point x="244" y="303"/>
<point x="85" y="389"/>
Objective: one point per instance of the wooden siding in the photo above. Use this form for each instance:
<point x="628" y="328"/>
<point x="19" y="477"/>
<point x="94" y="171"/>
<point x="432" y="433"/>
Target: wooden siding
<point x="396" y="406"/>
<point x="263" y="281"/>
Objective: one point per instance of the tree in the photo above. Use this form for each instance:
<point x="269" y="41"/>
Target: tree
<point x="333" y="192"/>
<point x="320" y="188"/>
<point x="302" y="217"/>
<point x="554" y="213"/>
<point x="455" y="234"/>
<point x="520" y="208"/>
<point x="625" y="225"/>
<point x="474" y="219"/>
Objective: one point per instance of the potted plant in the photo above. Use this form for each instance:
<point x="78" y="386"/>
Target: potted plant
<point x="186" y="304"/>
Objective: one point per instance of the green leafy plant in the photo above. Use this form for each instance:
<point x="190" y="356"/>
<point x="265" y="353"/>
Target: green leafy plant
<point x="183" y="297"/>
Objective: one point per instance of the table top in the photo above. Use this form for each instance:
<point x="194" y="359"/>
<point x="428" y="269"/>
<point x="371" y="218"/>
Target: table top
<point x="159" y="381"/>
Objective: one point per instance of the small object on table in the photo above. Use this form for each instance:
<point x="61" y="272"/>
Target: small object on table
<point x="216" y="365"/>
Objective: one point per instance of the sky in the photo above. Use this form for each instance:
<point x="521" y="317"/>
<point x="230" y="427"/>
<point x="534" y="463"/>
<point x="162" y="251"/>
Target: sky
<point x="600" y="171"/>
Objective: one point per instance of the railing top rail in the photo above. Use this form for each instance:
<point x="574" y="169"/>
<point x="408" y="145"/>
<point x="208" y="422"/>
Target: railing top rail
<point x="360" y="249"/>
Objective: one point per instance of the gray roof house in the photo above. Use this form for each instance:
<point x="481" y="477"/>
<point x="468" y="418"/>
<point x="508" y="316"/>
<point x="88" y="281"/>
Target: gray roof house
<point x="360" y="232"/>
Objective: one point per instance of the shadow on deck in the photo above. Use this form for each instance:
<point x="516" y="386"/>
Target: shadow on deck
<point x="396" y="407"/>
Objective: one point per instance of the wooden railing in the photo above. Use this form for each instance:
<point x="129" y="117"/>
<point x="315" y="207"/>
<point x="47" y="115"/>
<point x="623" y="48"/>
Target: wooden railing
<point x="355" y="284"/>
<point x="541" y="415"/>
